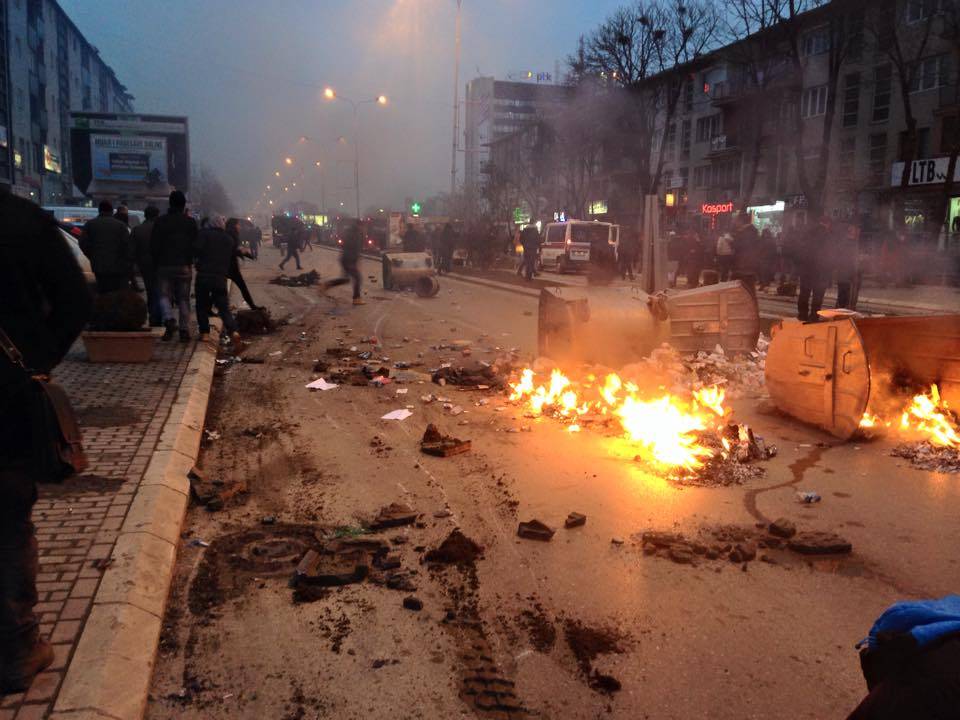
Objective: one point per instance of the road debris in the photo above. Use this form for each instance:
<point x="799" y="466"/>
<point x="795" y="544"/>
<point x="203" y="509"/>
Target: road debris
<point x="330" y="570"/>
<point x="927" y="456"/>
<point x="819" y="543"/>
<point x="535" y="530"/>
<point x="303" y="280"/>
<point x="399" y="415"/>
<point x="808" y="497"/>
<point x="321" y="384"/>
<point x="394" y="515"/>
<point x="586" y="643"/>
<point x="439" y="445"/>
<point x="456" y="549"/>
<point x="255" y="321"/>
<point x="413" y="603"/>
<point x="575" y="520"/>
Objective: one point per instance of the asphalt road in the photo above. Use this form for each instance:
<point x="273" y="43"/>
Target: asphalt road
<point x="708" y="640"/>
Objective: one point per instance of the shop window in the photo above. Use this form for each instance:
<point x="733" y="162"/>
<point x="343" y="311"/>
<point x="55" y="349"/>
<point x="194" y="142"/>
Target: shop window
<point x="851" y="99"/>
<point x="813" y="102"/>
<point x="878" y="157"/>
<point x="882" y="85"/>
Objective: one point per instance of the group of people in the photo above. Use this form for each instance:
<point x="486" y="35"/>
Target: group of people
<point x="166" y="250"/>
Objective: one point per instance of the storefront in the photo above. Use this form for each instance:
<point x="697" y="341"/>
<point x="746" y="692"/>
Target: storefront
<point x="921" y="203"/>
<point x="768" y="217"/>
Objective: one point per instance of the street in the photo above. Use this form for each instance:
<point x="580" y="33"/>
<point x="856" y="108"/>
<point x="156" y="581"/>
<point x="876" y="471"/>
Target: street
<point x="586" y="625"/>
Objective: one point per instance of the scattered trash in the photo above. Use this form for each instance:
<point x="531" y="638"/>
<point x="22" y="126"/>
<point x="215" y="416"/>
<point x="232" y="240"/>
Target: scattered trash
<point x="439" y="445"/>
<point x="574" y="520"/>
<point x="808" y="497"/>
<point x="782" y="528"/>
<point x="330" y="570"/>
<point x="412" y="603"/>
<point x="394" y="515"/>
<point x="303" y="280"/>
<point x="441" y="514"/>
<point x="380" y="381"/>
<point x="255" y="321"/>
<point x="197" y="542"/>
<point x="268" y="520"/>
<point x="276" y="353"/>
<point x="819" y="543"/>
<point x="535" y="530"/>
<point x="456" y="549"/>
<point x="927" y="456"/>
<point x="321" y="384"/>
<point x="211" y="435"/>
<point x="397" y="415"/>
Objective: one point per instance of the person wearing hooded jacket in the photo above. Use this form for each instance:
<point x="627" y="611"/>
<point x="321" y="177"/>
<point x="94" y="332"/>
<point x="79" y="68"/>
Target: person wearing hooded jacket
<point x="215" y="250"/>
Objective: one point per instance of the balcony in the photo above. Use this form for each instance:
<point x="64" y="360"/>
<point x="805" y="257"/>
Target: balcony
<point x="949" y="98"/>
<point x="722" y="145"/>
<point x="726" y="93"/>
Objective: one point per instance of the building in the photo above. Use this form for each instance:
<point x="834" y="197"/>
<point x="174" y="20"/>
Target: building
<point x="47" y="70"/>
<point x="496" y="108"/>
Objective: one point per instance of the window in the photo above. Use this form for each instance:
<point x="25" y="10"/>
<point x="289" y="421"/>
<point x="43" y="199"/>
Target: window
<point x="848" y="151"/>
<point x="684" y="176"/>
<point x="851" y="99"/>
<point x="855" y="36"/>
<point x="918" y="10"/>
<point x="670" y="142"/>
<point x="685" y="139"/>
<point x="688" y="96"/>
<point x="701" y="176"/>
<point x="709" y="127"/>
<point x="815" y="42"/>
<point x="878" y="157"/>
<point x="813" y="102"/>
<point x="882" y="77"/>
<point x="929" y="73"/>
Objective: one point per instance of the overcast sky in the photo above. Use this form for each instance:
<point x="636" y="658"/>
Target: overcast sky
<point x="249" y="75"/>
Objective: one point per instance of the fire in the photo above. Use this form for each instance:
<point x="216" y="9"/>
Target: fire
<point x="664" y="427"/>
<point x="928" y="416"/>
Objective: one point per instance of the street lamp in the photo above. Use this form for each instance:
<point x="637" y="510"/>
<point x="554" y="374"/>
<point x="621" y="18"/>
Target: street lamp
<point x="276" y="173"/>
<point x="288" y="161"/>
<point x="330" y="94"/>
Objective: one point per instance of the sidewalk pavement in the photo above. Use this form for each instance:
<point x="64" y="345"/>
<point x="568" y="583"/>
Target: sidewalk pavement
<point x="108" y="538"/>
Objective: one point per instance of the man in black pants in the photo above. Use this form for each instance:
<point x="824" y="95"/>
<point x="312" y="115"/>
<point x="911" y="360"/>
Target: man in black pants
<point x="106" y="241"/>
<point x="233" y="230"/>
<point x="215" y="249"/>
<point x="44" y="304"/>
<point x="814" y="271"/>
<point x="352" y="242"/>
<point x="293" y="245"/>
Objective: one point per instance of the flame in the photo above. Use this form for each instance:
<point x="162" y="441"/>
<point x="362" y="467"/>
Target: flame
<point x="928" y="416"/>
<point x="663" y="427"/>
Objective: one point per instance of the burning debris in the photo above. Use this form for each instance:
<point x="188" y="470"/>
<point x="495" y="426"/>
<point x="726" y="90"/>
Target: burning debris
<point x="687" y="437"/>
<point x="928" y="424"/>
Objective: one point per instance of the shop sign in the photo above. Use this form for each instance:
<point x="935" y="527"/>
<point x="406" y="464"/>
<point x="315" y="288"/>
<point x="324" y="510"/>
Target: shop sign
<point x="598" y="207"/>
<point x="716" y="208"/>
<point x="51" y="161"/>
<point x="932" y="171"/>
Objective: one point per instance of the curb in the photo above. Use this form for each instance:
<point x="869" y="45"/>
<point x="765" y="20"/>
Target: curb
<point x="111" y="670"/>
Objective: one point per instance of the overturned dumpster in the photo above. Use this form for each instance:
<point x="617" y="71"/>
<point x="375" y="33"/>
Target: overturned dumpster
<point x="829" y="373"/>
<point x="616" y="326"/>
<point x="410" y="269"/>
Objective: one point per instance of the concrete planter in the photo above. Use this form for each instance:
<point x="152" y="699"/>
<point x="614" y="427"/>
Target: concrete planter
<point x="119" y="347"/>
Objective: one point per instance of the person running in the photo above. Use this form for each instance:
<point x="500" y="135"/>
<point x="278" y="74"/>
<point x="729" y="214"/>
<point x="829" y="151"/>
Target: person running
<point x="349" y="257"/>
<point x="172" y="245"/>
<point x="106" y="241"/>
<point x="44" y="304"/>
<point x="216" y="251"/>
<point x="233" y="230"/>
<point x="293" y="245"/>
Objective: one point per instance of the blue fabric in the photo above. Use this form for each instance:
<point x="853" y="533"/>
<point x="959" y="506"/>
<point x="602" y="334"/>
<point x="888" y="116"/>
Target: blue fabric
<point x="926" y="620"/>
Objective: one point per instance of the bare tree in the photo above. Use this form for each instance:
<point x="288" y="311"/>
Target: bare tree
<point x="208" y="192"/>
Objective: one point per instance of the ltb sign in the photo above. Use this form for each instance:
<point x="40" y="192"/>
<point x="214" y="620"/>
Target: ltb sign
<point x="932" y="171"/>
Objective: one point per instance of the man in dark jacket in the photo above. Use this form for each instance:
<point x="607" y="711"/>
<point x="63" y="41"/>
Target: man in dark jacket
<point x="627" y="252"/>
<point x="813" y="265"/>
<point x="44" y="304"/>
<point x="140" y="237"/>
<point x="413" y="240"/>
<point x="172" y="245"/>
<point x="216" y="250"/>
<point x="448" y="243"/>
<point x="233" y="230"/>
<point x="106" y="241"/>
<point x="349" y="257"/>
<point x="530" y="240"/>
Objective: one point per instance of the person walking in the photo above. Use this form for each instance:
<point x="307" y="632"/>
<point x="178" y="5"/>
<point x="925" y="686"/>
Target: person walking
<point x="172" y="245"/>
<point x="140" y="239"/>
<point x="254" y="241"/>
<point x="233" y="230"/>
<point x="349" y="257"/>
<point x="448" y="240"/>
<point x="293" y="245"/>
<point x="44" y="304"/>
<point x="413" y="240"/>
<point x="725" y="256"/>
<point x="627" y="253"/>
<point x="216" y="250"/>
<point x="530" y="241"/>
<point x="813" y="269"/>
<point x="106" y="242"/>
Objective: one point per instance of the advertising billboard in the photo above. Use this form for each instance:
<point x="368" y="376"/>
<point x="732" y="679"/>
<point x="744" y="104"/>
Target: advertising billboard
<point x="129" y="155"/>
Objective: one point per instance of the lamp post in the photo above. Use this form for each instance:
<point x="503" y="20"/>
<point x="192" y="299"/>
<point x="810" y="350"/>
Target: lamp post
<point x="330" y="94"/>
<point x="456" y="104"/>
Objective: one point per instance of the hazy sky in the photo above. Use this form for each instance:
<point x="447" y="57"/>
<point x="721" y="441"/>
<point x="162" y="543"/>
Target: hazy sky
<point x="249" y="75"/>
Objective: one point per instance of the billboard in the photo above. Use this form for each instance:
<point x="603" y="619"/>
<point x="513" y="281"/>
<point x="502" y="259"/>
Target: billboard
<point x="129" y="155"/>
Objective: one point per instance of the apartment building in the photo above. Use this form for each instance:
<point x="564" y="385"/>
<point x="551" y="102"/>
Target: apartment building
<point x="47" y="70"/>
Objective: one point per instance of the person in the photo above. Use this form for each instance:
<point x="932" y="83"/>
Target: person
<point x="306" y="242"/>
<point x="448" y="241"/>
<point x="233" y="230"/>
<point x="293" y="245"/>
<point x="123" y="215"/>
<point x="216" y="250"/>
<point x="846" y="263"/>
<point x="814" y="276"/>
<point x="748" y="252"/>
<point x="256" y="237"/>
<point x="44" y="304"/>
<point x="627" y="253"/>
<point x="140" y="238"/>
<point x="172" y="245"/>
<point x="349" y="257"/>
<point x="530" y="241"/>
<point x="413" y="240"/>
<point x="106" y="242"/>
<point x="725" y="256"/>
<point x="694" y="260"/>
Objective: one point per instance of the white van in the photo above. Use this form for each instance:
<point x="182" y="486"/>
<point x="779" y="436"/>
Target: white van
<point x="569" y="246"/>
<point x="69" y="215"/>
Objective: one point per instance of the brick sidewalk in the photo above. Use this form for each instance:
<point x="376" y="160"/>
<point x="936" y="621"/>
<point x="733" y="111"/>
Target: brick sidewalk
<point x="122" y="410"/>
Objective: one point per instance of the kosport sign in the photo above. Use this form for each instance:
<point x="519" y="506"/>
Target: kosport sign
<point x="716" y="208"/>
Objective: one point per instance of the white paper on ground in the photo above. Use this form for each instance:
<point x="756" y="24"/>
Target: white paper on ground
<point x="320" y="384"/>
<point x="397" y="415"/>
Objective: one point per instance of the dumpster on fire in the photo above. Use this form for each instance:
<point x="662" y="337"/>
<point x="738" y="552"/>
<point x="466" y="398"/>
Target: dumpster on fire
<point x="616" y="326"/>
<point x="828" y="373"/>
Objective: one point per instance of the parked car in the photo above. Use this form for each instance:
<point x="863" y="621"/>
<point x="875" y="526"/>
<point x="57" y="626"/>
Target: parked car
<point x="77" y="216"/>
<point x="572" y="245"/>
